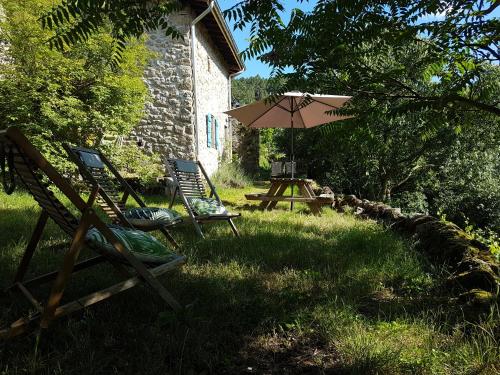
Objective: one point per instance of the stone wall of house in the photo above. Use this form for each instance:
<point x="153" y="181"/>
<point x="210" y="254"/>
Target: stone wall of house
<point x="213" y="97"/>
<point x="167" y="127"/>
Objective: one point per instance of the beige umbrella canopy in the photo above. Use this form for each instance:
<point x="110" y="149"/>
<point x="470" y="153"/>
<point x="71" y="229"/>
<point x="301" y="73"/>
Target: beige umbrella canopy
<point x="291" y="110"/>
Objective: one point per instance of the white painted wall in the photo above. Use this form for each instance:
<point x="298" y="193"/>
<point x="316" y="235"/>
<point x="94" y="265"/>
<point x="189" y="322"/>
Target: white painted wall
<point x="212" y="78"/>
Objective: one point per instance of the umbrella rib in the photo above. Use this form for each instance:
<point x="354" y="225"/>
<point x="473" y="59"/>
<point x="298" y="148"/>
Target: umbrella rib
<point x="265" y="112"/>
<point x="283" y="108"/>
<point x="328" y="105"/>
<point x="302" y="100"/>
<point x="302" y="117"/>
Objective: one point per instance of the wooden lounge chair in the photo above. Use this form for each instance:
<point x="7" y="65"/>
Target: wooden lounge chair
<point x="100" y="173"/>
<point x="138" y="256"/>
<point x="189" y="177"/>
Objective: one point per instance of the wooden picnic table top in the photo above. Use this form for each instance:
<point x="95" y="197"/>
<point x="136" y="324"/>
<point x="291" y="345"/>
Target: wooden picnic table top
<point x="264" y="197"/>
<point x="290" y="180"/>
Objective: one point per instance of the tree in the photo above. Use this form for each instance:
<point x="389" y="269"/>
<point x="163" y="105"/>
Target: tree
<point x="332" y="42"/>
<point x="75" y="21"/>
<point x="248" y="90"/>
<point x="77" y="95"/>
<point x="332" y="38"/>
<point x="427" y="160"/>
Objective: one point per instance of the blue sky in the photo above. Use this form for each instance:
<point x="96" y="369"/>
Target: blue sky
<point x="254" y="67"/>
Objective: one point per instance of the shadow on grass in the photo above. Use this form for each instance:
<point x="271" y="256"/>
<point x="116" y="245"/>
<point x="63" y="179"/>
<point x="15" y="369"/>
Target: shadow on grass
<point x="242" y="288"/>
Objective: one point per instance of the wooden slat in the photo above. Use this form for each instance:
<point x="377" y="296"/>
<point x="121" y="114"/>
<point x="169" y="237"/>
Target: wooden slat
<point x="78" y="267"/>
<point x="191" y="183"/>
<point x="29" y="296"/>
<point x="209" y="218"/>
<point x="192" y="190"/>
<point x="117" y="288"/>
<point x="47" y="200"/>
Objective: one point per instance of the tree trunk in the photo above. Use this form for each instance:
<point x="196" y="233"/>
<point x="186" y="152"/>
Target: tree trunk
<point x="385" y="193"/>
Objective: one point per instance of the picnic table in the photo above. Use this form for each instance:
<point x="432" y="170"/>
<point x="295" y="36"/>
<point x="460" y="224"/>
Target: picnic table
<point x="270" y="199"/>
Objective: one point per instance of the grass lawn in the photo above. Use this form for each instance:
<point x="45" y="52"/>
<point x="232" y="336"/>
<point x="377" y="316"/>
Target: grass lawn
<point x="295" y="294"/>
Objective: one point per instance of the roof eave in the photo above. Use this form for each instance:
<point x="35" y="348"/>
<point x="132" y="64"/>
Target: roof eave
<point x="219" y="17"/>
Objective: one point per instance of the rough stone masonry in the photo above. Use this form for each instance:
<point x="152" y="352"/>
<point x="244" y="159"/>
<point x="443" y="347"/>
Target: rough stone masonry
<point x="168" y="126"/>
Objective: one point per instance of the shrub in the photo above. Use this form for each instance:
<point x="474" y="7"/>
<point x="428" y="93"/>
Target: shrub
<point x="411" y="202"/>
<point x="131" y="161"/>
<point x="230" y="175"/>
<point x="470" y="188"/>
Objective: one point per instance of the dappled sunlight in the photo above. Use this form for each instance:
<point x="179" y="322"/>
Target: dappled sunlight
<point x="295" y="292"/>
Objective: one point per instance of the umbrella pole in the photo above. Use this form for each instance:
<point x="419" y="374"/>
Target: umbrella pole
<point x="292" y="161"/>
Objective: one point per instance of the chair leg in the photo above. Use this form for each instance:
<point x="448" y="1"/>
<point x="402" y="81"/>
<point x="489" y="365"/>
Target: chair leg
<point x="233" y="227"/>
<point x="138" y="266"/>
<point x="197" y="227"/>
<point x="30" y="249"/>
<point x="65" y="272"/>
<point x="173" y="197"/>
<point x="169" y="237"/>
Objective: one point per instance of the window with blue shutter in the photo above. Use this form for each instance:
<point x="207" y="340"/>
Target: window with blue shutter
<point x="216" y="134"/>
<point x="209" y="130"/>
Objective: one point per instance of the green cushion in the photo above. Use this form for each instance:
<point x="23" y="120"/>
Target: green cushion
<point x="207" y="206"/>
<point x="144" y="246"/>
<point x="153" y="213"/>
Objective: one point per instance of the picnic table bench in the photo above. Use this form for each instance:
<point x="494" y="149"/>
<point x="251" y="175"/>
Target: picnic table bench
<point x="270" y="199"/>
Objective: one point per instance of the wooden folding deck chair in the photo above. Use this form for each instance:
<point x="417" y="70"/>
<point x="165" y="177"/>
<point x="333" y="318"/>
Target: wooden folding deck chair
<point x="189" y="177"/>
<point x="135" y="254"/>
<point x="100" y="173"/>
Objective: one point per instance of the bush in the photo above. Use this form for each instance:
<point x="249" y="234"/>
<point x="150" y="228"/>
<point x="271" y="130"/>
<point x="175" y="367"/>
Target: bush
<point x="131" y="161"/>
<point x="470" y="188"/>
<point x="230" y="175"/>
<point x="411" y="202"/>
<point x="487" y="236"/>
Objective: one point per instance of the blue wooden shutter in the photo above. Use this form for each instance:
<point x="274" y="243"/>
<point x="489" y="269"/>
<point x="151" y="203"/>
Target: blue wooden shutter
<point x="209" y="130"/>
<point x="216" y="134"/>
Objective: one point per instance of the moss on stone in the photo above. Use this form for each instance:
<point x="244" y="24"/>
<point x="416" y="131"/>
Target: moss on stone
<point x="477" y="297"/>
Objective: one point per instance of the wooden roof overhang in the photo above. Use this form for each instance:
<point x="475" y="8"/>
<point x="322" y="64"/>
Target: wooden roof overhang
<point x="220" y="34"/>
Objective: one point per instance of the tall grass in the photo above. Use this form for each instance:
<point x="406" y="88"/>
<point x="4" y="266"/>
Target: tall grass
<point x="230" y="175"/>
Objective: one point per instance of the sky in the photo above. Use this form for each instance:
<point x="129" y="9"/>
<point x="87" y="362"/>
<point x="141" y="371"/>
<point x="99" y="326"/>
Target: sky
<point x="255" y="67"/>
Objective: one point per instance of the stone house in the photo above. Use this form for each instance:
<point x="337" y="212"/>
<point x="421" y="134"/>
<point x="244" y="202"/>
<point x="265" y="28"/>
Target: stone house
<point x="189" y="82"/>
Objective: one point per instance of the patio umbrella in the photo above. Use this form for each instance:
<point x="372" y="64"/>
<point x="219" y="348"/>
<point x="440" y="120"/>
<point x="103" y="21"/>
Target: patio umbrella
<point x="291" y="110"/>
